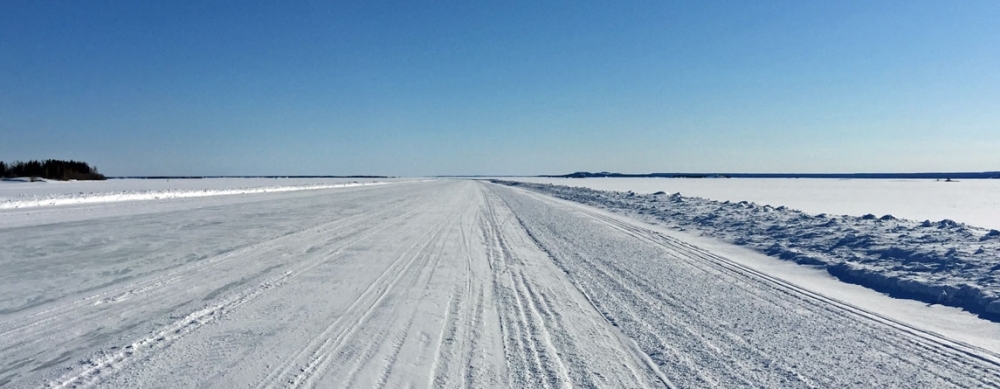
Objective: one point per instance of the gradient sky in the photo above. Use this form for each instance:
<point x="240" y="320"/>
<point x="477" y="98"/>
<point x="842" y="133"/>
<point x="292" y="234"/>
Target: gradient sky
<point x="467" y="87"/>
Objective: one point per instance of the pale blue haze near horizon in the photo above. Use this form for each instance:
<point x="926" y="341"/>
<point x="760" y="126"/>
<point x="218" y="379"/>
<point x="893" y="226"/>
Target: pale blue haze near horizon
<point x="429" y="88"/>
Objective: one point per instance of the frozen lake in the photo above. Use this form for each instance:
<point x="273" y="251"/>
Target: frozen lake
<point x="433" y="283"/>
<point x="974" y="202"/>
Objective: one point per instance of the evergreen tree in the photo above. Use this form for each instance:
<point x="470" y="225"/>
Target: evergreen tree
<point x="51" y="169"/>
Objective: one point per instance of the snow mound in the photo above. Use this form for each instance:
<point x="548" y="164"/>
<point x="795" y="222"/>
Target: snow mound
<point x="942" y="262"/>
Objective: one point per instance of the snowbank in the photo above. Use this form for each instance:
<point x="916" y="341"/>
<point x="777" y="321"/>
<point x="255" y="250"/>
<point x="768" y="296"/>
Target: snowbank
<point x="941" y="262"/>
<point x="56" y="199"/>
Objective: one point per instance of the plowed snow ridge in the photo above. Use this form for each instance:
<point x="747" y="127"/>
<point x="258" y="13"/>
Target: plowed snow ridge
<point x="100" y="197"/>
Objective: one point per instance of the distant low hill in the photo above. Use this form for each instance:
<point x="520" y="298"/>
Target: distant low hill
<point x="940" y="176"/>
<point x="51" y="169"/>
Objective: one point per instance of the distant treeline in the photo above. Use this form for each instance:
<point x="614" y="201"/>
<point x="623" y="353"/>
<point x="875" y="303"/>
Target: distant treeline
<point x="940" y="176"/>
<point x="51" y="169"/>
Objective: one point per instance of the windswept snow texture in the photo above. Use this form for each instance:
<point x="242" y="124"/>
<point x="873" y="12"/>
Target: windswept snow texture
<point x="939" y="262"/>
<point x="447" y="283"/>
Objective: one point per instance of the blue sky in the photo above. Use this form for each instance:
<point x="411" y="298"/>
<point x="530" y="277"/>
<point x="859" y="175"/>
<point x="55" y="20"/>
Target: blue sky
<point x="423" y="88"/>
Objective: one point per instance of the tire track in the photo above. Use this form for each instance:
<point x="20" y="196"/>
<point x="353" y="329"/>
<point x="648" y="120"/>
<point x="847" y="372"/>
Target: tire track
<point x="426" y="264"/>
<point x="449" y="334"/>
<point x="423" y="270"/>
<point x="626" y="290"/>
<point x="459" y="336"/>
<point x="397" y="345"/>
<point x="527" y="340"/>
<point x="109" y="361"/>
<point x="953" y="363"/>
<point x="956" y="353"/>
<point x="320" y="350"/>
<point x="20" y="326"/>
<point x="635" y="369"/>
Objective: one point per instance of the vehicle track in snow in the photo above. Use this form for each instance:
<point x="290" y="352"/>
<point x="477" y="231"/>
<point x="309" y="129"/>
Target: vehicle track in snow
<point x="531" y="357"/>
<point x="246" y="273"/>
<point x="708" y="321"/>
<point x="543" y="349"/>
<point x="149" y="287"/>
<point x="461" y="333"/>
<point x="936" y="348"/>
<point x="319" y="353"/>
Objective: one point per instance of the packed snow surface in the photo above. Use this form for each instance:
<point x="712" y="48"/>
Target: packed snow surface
<point x="973" y="202"/>
<point x="446" y="283"/>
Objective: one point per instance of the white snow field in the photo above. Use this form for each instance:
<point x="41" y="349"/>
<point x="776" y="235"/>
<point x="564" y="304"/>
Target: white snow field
<point x="444" y="283"/>
<point x="973" y="202"/>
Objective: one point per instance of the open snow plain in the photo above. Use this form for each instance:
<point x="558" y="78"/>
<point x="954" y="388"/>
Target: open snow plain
<point x="447" y="283"/>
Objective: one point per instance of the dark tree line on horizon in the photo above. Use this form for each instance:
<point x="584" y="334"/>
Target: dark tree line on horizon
<point x="51" y="169"/>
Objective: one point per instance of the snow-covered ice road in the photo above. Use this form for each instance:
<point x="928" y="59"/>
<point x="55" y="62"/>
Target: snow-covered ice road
<point x="447" y="283"/>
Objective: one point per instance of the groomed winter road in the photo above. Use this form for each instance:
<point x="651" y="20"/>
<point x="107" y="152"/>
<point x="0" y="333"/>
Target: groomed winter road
<point x="447" y="283"/>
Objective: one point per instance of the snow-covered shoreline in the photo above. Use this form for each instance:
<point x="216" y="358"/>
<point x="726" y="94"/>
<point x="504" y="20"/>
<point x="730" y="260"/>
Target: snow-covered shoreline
<point x="941" y="262"/>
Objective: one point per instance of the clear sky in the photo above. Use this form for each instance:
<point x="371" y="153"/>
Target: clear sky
<point x="468" y="87"/>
